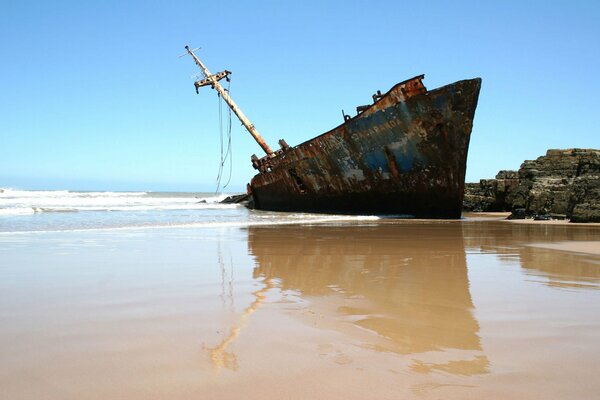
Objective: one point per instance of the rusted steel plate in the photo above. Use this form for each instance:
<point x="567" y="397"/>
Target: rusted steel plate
<point x="406" y="154"/>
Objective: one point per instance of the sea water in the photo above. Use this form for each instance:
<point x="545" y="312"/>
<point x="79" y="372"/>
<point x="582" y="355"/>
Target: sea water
<point x="64" y="210"/>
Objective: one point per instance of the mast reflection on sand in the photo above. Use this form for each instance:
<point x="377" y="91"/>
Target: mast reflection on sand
<point x="219" y="355"/>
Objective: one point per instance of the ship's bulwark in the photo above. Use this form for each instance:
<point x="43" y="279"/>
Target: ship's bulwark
<point x="406" y="159"/>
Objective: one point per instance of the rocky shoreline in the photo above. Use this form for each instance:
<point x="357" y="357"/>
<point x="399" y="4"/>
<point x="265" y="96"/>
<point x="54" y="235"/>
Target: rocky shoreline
<point x="563" y="184"/>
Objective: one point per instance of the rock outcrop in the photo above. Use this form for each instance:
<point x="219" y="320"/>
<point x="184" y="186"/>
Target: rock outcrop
<point x="561" y="183"/>
<point x="492" y="194"/>
<point x="244" y="199"/>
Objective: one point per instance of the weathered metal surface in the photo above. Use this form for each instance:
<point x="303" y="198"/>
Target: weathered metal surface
<point x="210" y="80"/>
<point x="405" y="154"/>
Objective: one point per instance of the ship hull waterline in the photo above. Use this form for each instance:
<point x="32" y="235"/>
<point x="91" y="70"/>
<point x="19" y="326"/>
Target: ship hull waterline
<point x="405" y="158"/>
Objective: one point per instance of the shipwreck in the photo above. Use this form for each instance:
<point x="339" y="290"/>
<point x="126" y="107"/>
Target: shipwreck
<point x="404" y="154"/>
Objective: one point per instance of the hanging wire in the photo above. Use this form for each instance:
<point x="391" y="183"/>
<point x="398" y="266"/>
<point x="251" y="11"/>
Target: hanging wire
<point x="227" y="154"/>
<point x="221" y="144"/>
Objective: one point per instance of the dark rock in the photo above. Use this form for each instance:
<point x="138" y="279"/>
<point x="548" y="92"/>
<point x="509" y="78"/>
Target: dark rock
<point x="558" y="216"/>
<point x="518" y="213"/>
<point x="491" y="194"/>
<point x="544" y="217"/>
<point x="585" y="198"/>
<point x="236" y="199"/>
<point x="586" y="212"/>
<point x="475" y="199"/>
<point x="561" y="183"/>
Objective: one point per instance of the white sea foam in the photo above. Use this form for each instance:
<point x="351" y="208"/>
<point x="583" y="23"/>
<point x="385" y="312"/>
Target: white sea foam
<point x="65" y="211"/>
<point x="17" y="211"/>
<point x="23" y="202"/>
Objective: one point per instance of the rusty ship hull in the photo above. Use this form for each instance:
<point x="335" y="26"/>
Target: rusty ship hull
<point x="403" y="155"/>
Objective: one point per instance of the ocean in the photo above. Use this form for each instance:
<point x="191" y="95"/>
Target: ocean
<point x="63" y="210"/>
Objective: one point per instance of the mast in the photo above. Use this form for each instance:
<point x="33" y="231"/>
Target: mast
<point x="213" y="81"/>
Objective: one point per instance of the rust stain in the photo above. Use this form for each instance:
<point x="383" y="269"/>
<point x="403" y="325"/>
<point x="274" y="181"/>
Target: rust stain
<point x="391" y="159"/>
<point x="405" y="153"/>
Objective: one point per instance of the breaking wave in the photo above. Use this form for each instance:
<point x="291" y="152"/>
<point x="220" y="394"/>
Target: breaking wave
<point x="26" y="202"/>
<point x="23" y="211"/>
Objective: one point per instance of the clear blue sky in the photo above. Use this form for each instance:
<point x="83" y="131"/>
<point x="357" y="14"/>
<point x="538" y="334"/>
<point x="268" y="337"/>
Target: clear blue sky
<point x="93" y="96"/>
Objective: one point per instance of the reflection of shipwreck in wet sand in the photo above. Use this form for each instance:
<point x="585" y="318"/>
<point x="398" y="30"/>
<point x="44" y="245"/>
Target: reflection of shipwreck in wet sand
<point x="411" y="280"/>
<point x="219" y="355"/>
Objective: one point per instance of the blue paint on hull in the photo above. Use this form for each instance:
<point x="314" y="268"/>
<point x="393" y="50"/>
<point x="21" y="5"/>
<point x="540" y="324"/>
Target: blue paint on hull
<point x="408" y="158"/>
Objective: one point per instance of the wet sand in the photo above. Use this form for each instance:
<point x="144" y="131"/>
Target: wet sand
<point x="393" y="309"/>
<point x="590" y="247"/>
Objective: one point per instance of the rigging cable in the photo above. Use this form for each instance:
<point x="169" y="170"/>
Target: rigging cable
<point x="221" y="143"/>
<point x="228" y="152"/>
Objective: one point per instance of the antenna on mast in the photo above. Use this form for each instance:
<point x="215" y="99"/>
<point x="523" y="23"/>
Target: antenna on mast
<point x="213" y="81"/>
<point x="186" y="53"/>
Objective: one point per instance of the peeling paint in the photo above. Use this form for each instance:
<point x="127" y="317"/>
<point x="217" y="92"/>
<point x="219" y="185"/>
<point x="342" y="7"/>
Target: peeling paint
<point x="405" y="154"/>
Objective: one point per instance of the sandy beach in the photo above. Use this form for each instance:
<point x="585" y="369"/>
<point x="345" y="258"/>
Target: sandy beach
<point x="385" y="309"/>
